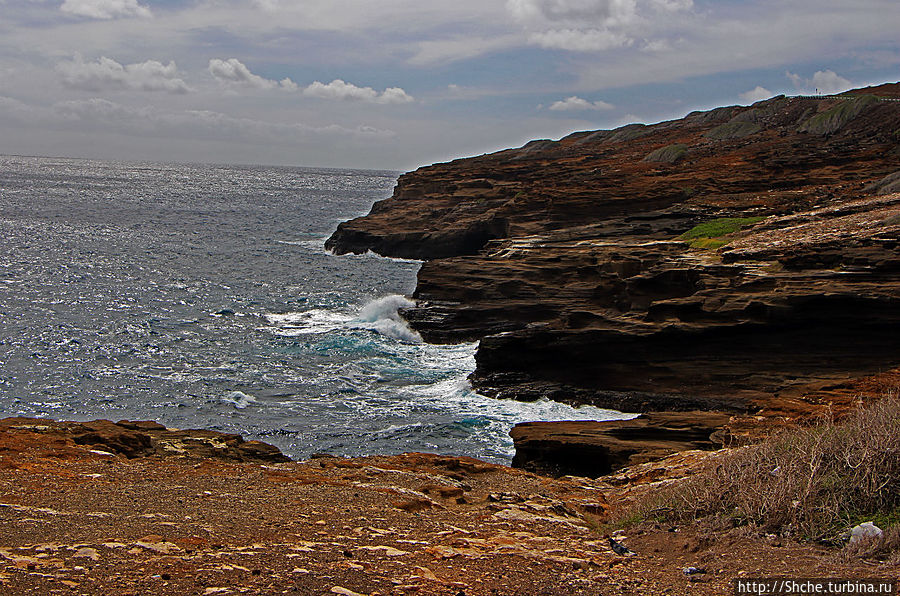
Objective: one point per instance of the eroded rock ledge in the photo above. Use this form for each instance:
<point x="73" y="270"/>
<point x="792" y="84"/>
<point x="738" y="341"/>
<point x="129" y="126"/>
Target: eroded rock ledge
<point x="564" y="258"/>
<point x="131" y="439"/>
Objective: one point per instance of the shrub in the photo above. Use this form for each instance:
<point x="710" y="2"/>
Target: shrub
<point x="814" y="482"/>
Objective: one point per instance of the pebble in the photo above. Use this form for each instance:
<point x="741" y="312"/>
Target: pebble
<point x="345" y="592"/>
<point x="87" y="553"/>
<point x="693" y="570"/>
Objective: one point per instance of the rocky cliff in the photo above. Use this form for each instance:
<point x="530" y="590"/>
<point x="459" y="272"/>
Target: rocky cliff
<point x="736" y="260"/>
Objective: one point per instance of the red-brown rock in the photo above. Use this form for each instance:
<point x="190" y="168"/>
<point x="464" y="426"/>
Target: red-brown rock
<point x="564" y="259"/>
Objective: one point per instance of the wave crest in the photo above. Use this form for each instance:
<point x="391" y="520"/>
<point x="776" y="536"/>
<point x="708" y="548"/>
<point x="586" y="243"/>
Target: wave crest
<point x="381" y="315"/>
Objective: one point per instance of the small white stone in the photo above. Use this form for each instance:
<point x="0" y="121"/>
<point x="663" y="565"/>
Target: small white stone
<point x="865" y="530"/>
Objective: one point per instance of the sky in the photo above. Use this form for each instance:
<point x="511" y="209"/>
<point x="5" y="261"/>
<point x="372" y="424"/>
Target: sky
<point x="396" y="84"/>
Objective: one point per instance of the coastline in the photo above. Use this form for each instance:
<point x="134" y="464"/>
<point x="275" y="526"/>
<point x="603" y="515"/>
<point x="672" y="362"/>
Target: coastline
<point x="738" y="263"/>
<point x="82" y="518"/>
<point x="719" y="339"/>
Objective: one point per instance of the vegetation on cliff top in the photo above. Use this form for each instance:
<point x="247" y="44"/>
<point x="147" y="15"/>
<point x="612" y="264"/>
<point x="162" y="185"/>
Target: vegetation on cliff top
<point x="668" y="154"/>
<point x="838" y="115"/>
<point x="716" y="233"/>
<point x="733" y="130"/>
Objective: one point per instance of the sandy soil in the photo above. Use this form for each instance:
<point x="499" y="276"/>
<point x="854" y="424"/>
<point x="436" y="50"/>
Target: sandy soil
<point x="75" y="519"/>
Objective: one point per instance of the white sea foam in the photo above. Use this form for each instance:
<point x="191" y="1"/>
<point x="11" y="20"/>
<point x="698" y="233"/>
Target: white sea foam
<point x="316" y="320"/>
<point x="239" y="399"/>
<point x="315" y="244"/>
<point x="381" y="315"/>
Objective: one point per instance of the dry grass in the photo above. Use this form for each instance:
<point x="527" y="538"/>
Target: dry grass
<point x="812" y="483"/>
<point x="886" y="547"/>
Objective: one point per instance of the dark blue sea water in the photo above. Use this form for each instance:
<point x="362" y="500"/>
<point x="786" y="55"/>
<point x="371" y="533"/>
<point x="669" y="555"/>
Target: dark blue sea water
<point x="202" y="296"/>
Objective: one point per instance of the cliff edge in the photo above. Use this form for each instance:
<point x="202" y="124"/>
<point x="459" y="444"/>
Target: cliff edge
<point x="739" y="260"/>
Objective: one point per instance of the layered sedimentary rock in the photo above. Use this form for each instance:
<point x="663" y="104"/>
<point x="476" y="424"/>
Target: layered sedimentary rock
<point x="585" y="448"/>
<point x="131" y="440"/>
<point x="567" y="258"/>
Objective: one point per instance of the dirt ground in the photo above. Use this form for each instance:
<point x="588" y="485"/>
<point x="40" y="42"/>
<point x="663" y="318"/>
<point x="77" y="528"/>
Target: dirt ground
<point x="76" y="519"/>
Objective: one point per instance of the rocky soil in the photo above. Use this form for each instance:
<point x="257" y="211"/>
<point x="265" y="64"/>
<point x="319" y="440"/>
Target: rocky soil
<point x="564" y="259"/>
<point x="87" y="517"/>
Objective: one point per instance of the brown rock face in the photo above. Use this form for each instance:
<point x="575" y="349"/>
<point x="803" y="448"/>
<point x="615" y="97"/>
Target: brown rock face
<point x="564" y="258"/>
<point x="131" y="440"/>
<point x="591" y="449"/>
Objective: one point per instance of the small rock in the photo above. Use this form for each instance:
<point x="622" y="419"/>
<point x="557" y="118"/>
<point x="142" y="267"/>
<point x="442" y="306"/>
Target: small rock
<point x="426" y="573"/>
<point x="158" y="547"/>
<point x="87" y="553"/>
<point x="345" y="592"/>
<point x="693" y="570"/>
<point x="389" y="551"/>
<point x="415" y="505"/>
<point x="863" y="531"/>
<point x="618" y="547"/>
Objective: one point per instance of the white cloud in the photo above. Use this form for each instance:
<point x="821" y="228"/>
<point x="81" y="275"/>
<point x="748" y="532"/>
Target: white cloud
<point x="828" y="81"/>
<point x="394" y="95"/>
<point x="796" y="79"/>
<point x="431" y="51"/>
<point x="340" y="90"/>
<point x="597" y="25"/>
<point x="235" y="73"/>
<point x="572" y="11"/>
<point x="630" y="119"/>
<point x="756" y="94"/>
<point x="591" y="40"/>
<point x="823" y="81"/>
<point x="106" y="9"/>
<point x="106" y="73"/>
<point x="577" y="103"/>
<point x="288" y="84"/>
<point x="18" y="111"/>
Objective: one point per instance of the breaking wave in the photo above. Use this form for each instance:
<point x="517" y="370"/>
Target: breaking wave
<point x="382" y="315"/>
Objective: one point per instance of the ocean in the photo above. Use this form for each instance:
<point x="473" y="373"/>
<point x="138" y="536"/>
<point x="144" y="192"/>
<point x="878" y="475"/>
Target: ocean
<point x="201" y="296"/>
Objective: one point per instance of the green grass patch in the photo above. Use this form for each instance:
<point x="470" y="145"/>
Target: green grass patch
<point x="838" y="115"/>
<point x="717" y="233"/>
<point x="733" y="130"/>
